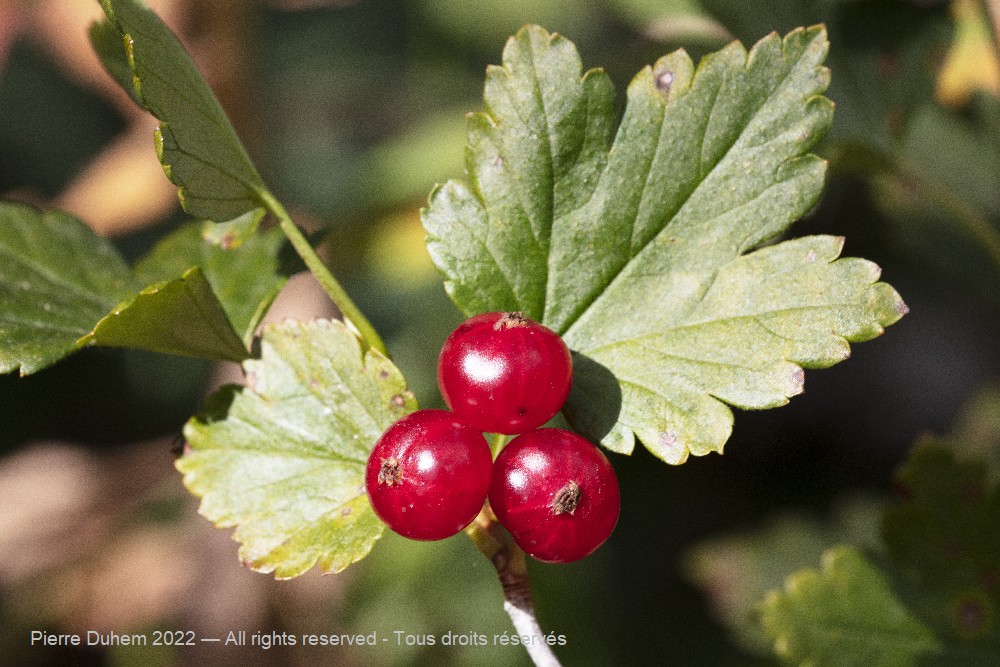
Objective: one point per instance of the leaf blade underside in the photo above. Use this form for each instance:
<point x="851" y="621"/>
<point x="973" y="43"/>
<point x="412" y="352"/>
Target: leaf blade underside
<point x="283" y="458"/>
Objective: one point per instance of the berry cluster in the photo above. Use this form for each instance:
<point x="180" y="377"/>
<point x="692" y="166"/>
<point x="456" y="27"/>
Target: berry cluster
<point x="430" y="473"/>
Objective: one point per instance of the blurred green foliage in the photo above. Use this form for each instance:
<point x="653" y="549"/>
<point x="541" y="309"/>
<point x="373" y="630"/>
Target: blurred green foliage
<point x="919" y="571"/>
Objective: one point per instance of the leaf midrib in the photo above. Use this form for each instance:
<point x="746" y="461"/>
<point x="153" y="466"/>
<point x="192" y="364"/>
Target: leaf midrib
<point x="546" y="241"/>
<point x="325" y="456"/>
<point x="637" y="340"/>
<point x="585" y="305"/>
<point x="305" y="380"/>
<point x="47" y="273"/>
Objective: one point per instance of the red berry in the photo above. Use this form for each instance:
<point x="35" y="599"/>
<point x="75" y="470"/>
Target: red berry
<point x="504" y="373"/>
<point x="428" y="475"/>
<point x="556" y="494"/>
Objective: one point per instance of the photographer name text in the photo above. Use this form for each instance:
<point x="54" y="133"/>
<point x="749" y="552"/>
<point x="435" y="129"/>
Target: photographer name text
<point x="268" y="640"/>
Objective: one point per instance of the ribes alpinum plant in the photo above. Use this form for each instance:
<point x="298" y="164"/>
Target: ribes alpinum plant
<point x="634" y="275"/>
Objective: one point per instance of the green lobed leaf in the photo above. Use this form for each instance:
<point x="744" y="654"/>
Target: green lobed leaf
<point x="195" y="141"/>
<point x="63" y="287"/>
<point x="244" y="280"/>
<point x="57" y="278"/>
<point x="181" y="316"/>
<point x="844" y="614"/>
<point x="642" y="254"/>
<point x="735" y="572"/>
<point x="937" y="549"/>
<point x="283" y="458"/>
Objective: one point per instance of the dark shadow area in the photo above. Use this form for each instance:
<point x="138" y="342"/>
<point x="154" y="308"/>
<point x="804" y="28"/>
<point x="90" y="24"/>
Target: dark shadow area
<point x="595" y="400"/>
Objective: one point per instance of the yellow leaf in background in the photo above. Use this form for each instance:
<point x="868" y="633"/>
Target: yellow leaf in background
<point x="398" y="253"/>
<point x="971" y="63"/>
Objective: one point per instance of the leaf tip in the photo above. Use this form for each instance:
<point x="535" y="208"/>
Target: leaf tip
<point x="671" y="449"/>
<point x="798" y="380"/>
<point x="818" y="29"/>
<point x="901" y="307"/>
<point x="670" y="75"/>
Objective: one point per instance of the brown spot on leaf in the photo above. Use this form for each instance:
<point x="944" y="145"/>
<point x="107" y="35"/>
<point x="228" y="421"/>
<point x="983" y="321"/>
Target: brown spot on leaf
<point x="799" y="379"/>
<point x="671" y="449"/>
<point x="229" y="241"/>
<point x="664" y="80"/>
<point x="972" y="614"/>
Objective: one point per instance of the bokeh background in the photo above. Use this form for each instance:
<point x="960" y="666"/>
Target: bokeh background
<point x="353" y="109"/>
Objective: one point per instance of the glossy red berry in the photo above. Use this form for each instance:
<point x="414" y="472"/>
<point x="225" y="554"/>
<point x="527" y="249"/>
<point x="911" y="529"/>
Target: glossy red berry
<point x="504" y="373"/>
<point x="556" y="494"/>
<point x="428" y="475"/>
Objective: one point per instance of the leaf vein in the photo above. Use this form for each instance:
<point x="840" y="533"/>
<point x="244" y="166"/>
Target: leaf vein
<point x="53" y="278"/>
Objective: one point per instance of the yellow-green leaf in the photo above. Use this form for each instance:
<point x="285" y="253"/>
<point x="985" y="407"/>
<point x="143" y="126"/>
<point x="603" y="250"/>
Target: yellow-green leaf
<point x="844" y="615"/>
<point x="283" y="458"/>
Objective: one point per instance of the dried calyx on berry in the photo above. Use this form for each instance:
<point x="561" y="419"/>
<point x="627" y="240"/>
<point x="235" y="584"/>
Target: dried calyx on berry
<point x="556" y="494"/>
<point x="504" y="373"/>
<point x="428" y="475"/>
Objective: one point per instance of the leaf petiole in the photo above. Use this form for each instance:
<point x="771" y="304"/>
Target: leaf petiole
<point x="353" y="317"/>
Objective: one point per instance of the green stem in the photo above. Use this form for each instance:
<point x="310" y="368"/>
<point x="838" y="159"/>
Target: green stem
<point x="968" y="218"/>
<point x="499" y="441"/>
<point x="353" y="316"/>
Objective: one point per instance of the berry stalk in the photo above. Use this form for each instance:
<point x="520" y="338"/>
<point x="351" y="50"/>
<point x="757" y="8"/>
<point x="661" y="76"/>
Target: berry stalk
<point x="512" y="569"/>
<point x="353" y="317"/>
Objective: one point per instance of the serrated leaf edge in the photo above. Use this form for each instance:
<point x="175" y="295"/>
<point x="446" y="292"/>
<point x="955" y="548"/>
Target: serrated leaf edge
<point x="227" y="130"/>
<point x="797" y="582"/>
<point x="236" y="353"/>
<point x="225" y="519"/>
